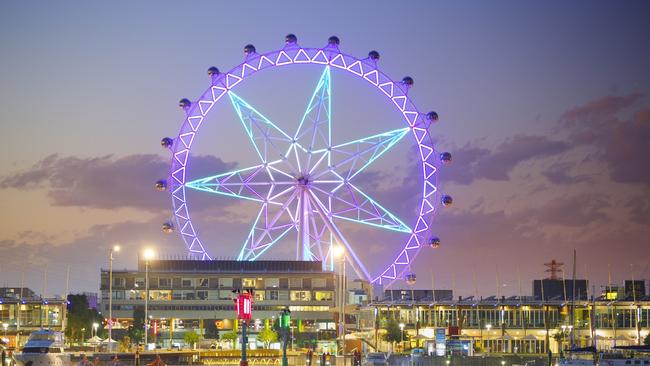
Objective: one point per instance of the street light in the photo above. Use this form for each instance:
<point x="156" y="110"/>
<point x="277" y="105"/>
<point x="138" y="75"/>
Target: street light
<point x="401" y="335"/>
<point x="148" y="255"/>
<point x="339" y="252"/>
<point x="488" y="327"/>
<point x="95" y="326"/>
<point x="115" y="248"/>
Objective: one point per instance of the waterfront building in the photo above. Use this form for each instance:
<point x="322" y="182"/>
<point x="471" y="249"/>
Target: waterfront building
<point x="517" y="324"/>
<point x="22" y="312"/>
<point x="195" y="295"/>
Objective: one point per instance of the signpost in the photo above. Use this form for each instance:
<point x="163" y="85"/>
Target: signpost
<point x="244" y="308"/>
<point x="285" y="323"/>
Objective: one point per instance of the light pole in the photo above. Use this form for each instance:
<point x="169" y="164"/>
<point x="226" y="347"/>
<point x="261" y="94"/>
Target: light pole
<point x="95" y="326"/>
<point x="339" y="252"/>
<point x="115" y="248"/>
<point x="148" y="255"/>
<point x="401" y="335"/>
<point x="488" y="327"/>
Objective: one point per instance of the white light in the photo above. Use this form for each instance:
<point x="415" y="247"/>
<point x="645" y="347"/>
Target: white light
<point x="338" y="251"/>
<point x="401" y="326"/>
<point x="149" y="253"/>
<point x="95" y="325"/>
<point x="116" y="248"/>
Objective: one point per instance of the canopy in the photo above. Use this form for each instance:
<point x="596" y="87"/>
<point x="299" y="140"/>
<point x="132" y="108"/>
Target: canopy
<point x="109" y="341"/>
<point x="530" y="337"/>
<point x="94" y="339"/>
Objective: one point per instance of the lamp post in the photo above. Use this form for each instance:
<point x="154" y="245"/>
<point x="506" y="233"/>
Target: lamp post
<point x="401" y="335"/>
<point x="339" y="252"/>
<point x="488" y="327"/>
<point x="95" y="326"/>
<point x="148" y="255"/>
<point x="115" y="248"/>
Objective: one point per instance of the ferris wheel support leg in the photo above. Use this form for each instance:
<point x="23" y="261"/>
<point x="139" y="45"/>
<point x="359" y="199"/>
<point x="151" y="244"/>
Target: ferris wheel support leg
<point x="358" y="267"/>
<point x="303" y="250"/>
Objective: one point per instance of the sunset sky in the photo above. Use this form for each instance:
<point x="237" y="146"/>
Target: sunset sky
<point x="545" y="107"/>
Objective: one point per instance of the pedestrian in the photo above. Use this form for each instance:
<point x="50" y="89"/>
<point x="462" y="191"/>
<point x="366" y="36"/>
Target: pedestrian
<point x="96" y="361"/>
<point x="137" y="356"/>
<point x="115" y="361"/>
<point x="84" y="361"/>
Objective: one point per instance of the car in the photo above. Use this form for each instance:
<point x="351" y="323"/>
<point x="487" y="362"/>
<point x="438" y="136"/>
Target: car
<point x="375" y="359"/>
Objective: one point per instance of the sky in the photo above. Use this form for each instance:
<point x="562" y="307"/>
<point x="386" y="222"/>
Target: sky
<point x="545" y="107"/>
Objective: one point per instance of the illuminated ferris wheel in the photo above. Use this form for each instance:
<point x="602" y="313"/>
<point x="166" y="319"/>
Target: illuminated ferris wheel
<point x="304" y="182"/>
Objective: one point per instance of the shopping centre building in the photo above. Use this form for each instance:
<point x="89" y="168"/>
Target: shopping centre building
<point x="198" y="295"/>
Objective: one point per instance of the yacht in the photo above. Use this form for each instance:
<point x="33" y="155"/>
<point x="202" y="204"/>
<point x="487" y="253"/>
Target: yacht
<point x="43" y="348"/>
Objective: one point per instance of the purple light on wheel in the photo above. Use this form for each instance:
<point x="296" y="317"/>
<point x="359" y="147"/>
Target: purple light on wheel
<point x="329" y="57"/>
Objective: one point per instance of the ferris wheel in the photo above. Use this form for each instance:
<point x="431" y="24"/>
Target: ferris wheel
<point x="304" y="182"/>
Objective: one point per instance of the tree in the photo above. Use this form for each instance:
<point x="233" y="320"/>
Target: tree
<point x="80" y="317"/>
<point x="267" y="336"/>
<point x="136" y="330"/>
<point x="125" y="344"/>
<point x="229" y="337"/>
<point x="191" y="338"/>
<point x="393" y="332"/>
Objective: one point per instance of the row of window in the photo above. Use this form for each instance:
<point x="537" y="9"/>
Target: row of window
<point x="260" y="295"/>
<point x="221" y="307"/>
<point x="225" y="282"/>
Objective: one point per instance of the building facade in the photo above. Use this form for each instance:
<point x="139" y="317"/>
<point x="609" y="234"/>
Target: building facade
<point x="518" y="325"/>
<point x="22" y="312"/>
<point x="198" y="295"/>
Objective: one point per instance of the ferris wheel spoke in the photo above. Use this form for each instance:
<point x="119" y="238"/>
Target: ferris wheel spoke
<point x="314" y="130"/>
<point x="269" y="141"/>
<point x="350" y="255"/>
<point x="351" y="158"/>
<point x="270" y="226"/>
<point x="349" y="203"/>
<point x="253" y="183"/>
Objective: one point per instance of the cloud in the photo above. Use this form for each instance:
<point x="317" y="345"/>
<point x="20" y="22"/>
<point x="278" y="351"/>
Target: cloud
<point x="618" y="133"/>
<point x="106" y="182"/>
<point x="472" y="162"/>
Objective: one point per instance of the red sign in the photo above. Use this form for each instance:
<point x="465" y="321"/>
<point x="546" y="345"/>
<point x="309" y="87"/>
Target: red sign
<point x="244" y="306"/>
<point x="155" y="327"/>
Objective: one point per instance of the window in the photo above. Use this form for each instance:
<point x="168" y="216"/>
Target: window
<point x="164" y="282"/>
<point x="272" y="282"/>
<point x="160" y="295"/>
<point x="118" y="295"/>
<point x="139" y="282"/>
<point x="284" y="283"/>
<point x="295" y="282"/>
<point x="259" y="295"/>
<point x="323" y="295"/>
<point x="202" y="295"/>
<point x="177" y="295"/>
<point x="248" y="282"/>
<point x="118" y="282"/>
<point x="203" y="282"/>
<point x="188" y="295"/>
<point x="225" y="295"/>
<point x="273" y="295"/>
<point x="283" y="295"/>
<point x="300" y="295"/>
<point x="318" y="283"/>
<point x="187" y="282"/>
<point x="225" y="282"/>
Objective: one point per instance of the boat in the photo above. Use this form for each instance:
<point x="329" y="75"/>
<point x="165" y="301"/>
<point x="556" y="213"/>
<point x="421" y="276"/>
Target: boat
<point x="43" y="348"/>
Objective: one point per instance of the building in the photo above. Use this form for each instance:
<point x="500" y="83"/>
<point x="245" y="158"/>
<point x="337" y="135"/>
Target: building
<point x="197" y="295"/>
<point x="22" y="312"/>
<point x="560" y="289"/>
<point x="417" y="295"/>
<point x="635" y="288"/>
<point x="516" y="325"/>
